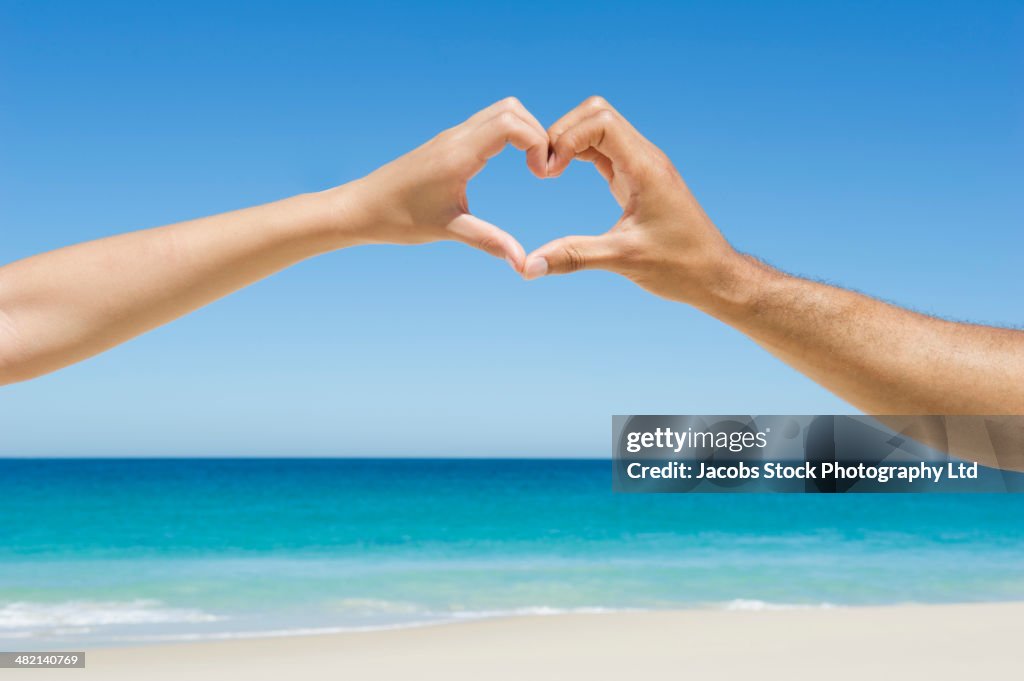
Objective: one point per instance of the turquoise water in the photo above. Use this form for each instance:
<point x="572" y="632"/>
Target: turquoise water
<point x="97" y="552"/>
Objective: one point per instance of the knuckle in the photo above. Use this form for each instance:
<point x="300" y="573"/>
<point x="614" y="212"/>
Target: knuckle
<point x="506" y="120"/>
<point x="596" y="102"/>
<point x="574" y="258"/>
<point x="662" y="161"/>
<point x="445" y="137"/>
<point x="666" y="172"/>
<point x="661" y="168"/>
<point x="510" y="103"/>
<point x="488" y="244"/>
<point x="605" y="117"/>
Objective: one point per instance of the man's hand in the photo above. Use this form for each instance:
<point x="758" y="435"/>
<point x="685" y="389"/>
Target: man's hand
<point x="881" y="358"/>
<point x="663" y="241"/>
<point x="421" y="197"/>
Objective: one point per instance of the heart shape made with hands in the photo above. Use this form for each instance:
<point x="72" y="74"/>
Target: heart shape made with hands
<point x="662" y="241"/>
<point x="593" y="131"/>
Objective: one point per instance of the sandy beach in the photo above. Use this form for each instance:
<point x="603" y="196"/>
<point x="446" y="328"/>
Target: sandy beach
<point x="926" y="642"/>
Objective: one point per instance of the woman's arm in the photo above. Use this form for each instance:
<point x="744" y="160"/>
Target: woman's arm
<point x="66" y="305"/>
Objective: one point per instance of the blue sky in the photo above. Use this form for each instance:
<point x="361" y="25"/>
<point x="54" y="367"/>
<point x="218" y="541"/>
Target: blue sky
<point x="875" y="145"/>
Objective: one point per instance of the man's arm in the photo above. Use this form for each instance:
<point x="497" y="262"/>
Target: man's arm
<point x="63" y="306"/>
<point x="880" y="358"/>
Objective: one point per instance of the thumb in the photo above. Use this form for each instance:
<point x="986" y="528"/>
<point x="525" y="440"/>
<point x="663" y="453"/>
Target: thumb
<point x="570" y="254"/>
<point x="472" y="231"/>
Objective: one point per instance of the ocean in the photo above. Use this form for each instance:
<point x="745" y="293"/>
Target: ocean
<point x="120" y="552"/>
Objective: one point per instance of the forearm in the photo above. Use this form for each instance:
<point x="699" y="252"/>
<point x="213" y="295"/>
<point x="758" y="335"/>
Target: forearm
<point x="63" y="306"/>
<point x="881" y="358"/>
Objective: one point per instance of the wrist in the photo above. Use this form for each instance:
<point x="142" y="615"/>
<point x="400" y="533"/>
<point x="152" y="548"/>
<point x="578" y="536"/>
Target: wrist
<point x="345" y="216"/>
<point x="732" y="289"/>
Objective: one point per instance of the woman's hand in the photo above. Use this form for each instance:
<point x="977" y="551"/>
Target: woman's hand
<point x="60" y="307"/>
<point x="421" y="197"/>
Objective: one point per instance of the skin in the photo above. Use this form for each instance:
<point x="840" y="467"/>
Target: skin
<point x="881" y="358"/>
<point x="66" y="305"/>
<point x="61" y="307"/>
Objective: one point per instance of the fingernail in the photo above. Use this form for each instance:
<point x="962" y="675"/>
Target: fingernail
<point x="511" y="263"/>
<point x="535" y="267"/>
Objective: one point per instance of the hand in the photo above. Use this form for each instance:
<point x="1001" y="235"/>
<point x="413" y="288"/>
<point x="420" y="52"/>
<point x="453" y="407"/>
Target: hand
<point x="421" y="197"/>
<point x="663" y="241"/>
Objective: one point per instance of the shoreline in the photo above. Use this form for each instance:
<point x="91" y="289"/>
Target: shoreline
<point x="933" y="641"/>
<point x="737" y="605"/>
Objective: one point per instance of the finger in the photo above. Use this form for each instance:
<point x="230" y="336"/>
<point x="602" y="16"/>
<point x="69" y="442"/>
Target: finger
<point x="491" y="136"/>
<point x="471" y="230"/>
<point x="605" y="132"/>
<point x="571" y="254"/>
<point x="510" y="104"/>
<point x="600" y="161"/>
<point x="516" y="107"/>
<point x="588" y="107"/>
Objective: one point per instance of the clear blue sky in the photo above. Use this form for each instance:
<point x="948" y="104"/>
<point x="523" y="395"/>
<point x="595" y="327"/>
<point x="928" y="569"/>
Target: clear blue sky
<point x="876" y="145"/>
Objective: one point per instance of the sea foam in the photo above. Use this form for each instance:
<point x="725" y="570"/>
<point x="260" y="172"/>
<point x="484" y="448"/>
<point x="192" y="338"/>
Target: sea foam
<point x="78" y="614"/>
